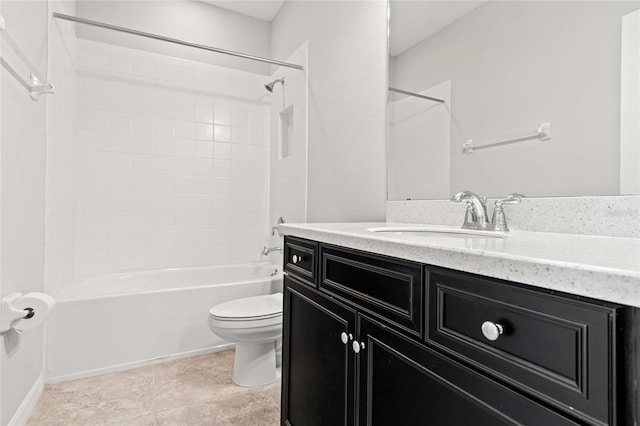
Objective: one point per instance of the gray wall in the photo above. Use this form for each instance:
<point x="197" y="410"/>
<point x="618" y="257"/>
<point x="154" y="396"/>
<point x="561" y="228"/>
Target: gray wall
<point x="23" y="126"/>
<point x="347" y="103"/>
<point x="192" y="21"/>
<point x="514" y="65"/>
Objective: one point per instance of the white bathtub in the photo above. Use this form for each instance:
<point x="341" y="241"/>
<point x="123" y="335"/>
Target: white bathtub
<point x="126" y="320"/>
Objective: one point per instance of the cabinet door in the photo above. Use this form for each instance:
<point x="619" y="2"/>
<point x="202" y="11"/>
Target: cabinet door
<point x="406" y="383"/>
<point x="317" y="367"/>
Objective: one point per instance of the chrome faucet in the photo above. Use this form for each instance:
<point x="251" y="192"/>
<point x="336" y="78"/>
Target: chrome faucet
<point x="266" y="250"/>
<point x="476" y="214"/>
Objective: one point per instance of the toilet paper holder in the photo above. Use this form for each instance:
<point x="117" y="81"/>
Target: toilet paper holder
<point x="9" y="314"/>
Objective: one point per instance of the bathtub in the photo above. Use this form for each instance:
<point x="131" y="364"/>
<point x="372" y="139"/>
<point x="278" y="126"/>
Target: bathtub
<point x="127" y="320"/>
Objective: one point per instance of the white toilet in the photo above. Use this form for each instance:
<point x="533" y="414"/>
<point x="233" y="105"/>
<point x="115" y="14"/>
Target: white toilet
<point x="254" y="324"/>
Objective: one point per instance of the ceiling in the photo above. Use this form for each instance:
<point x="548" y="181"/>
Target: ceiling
<point x="413" y="21"/>
<point x="261" y="9"/>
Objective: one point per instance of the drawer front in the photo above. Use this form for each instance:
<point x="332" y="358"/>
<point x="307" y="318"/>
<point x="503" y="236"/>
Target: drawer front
<point x="556" y="348"/>
<point x="405" y="383"/>
<point x="300" y="258"/>
<point x="390" y="289"/>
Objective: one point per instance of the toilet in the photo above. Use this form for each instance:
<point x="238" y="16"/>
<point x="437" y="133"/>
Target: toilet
<point x="254" y="324"/>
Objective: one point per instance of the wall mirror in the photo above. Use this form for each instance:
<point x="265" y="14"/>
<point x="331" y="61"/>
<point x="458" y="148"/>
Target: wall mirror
<point x="543" y="96"/>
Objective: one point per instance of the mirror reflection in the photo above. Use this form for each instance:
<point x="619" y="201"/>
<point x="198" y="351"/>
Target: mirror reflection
<point x="539" y="98"/>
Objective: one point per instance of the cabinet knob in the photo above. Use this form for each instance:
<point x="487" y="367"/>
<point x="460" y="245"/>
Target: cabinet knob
<point x="346" y="337"/>
<point x="492" y="330"/>
<point x="296" y="258"/>
<point x="357" y="346"/>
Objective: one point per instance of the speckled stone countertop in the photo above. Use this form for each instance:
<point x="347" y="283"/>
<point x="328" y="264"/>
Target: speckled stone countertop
<point x="605" y="268"/>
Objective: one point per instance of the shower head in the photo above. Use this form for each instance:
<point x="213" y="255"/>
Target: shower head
<point x="269" y="86"/>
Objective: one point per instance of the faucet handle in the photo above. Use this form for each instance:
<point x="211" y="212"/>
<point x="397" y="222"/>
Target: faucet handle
<point x="513" y="198"/>
<point x="499" y="220"/>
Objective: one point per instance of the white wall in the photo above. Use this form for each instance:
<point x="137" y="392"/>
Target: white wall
<point x="422" y="127"/>
<point x="172" y="162"/>
<point x="23" y="197"/>
<point x="347" y="78"/>
<point x="188" y="20"/>
<point x="630" y="105"/>
<point x="515" y="65"/>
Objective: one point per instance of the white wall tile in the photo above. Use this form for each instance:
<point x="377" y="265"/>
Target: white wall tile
<point x="120" y="61"/>
<point x="143" y="105"/>
<point x="143" y="65"/>
<point x="221" y="133"/>
<point x="142" y="144"/>
<point x="164" y="145"/>
<point x="204" y="109"/>
<point x="204" y="131"/>
<point x="185" y="129"/>
<point x="222" y="113"/>
<point x="94" y="56"/>
<point x="185" y="147"/>
<point x="165" y="176"/>
<point x="185" y="166"/>
<point x="241" y="136"/>
<point x="163" y="127"/>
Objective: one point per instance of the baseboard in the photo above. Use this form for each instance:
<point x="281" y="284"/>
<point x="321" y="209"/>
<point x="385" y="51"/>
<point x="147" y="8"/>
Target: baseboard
<point x="28" y="403"/>
<point x="136" y="364"/>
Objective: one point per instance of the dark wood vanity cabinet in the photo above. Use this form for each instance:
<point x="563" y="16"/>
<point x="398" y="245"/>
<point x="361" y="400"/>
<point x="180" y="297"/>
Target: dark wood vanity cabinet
<point x="372" y="340"/>
<point x="318" y="369"/>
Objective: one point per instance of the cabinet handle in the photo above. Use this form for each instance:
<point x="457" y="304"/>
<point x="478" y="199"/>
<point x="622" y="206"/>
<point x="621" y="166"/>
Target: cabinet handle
<point x="492" y="330"/>
<point x="297" y="259"/>
<point x="357" y="346"/>
<point x="346" y="337"/>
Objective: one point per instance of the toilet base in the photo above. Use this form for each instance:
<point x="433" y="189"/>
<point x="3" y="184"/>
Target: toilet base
<point x="255" y="364"/>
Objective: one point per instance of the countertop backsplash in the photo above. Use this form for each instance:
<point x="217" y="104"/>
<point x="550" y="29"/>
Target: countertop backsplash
<point x="617" y="216"/>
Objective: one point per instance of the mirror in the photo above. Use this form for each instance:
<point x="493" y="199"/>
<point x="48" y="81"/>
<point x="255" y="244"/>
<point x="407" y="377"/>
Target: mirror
<point x="543" y="95"/>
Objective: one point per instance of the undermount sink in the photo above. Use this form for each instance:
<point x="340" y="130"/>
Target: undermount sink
<point x="439" y="231"/>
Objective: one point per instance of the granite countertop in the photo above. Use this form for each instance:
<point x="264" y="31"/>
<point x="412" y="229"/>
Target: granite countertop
<point x="605" y="268"/>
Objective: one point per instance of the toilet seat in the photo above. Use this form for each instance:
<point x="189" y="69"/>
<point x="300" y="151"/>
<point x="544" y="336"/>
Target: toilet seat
<point x="248" y="312"/>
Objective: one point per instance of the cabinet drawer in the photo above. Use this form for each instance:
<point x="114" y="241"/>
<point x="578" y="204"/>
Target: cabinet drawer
<point x="300" y="258"/>
<point x="390" y="289"/>
<point x="406" y="383"/>
<point x="556" y="348"/>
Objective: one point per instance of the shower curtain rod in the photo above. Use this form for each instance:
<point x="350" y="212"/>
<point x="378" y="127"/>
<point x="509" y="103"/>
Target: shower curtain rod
<point x="417" y="95"/>
<point x="174" y="40"/>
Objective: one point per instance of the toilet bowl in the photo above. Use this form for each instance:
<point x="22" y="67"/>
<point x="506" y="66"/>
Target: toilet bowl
<point x="254" y="324"/>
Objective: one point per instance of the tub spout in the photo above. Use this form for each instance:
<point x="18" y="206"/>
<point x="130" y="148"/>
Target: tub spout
<point x="266" y="250"/>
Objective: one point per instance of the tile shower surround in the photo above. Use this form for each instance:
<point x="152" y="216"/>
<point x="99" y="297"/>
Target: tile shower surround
<point x="171" y="162"/>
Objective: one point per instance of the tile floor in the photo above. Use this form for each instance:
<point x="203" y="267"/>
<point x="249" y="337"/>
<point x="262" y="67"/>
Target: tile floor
<point x="193" y="391"/>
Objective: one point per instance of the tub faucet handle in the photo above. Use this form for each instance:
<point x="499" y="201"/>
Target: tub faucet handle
<point x="266" y="250"/>
<point x="276" y="228"/>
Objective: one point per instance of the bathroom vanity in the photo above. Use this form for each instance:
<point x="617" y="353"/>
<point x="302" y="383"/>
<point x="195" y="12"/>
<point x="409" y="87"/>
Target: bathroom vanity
<point x="398" y="328"/>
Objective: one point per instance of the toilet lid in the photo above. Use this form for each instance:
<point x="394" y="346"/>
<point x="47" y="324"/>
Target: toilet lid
<point x="256" y="307"/>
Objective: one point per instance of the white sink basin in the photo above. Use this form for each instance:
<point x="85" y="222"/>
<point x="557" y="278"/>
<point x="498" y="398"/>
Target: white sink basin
<point x="439" y="231"/>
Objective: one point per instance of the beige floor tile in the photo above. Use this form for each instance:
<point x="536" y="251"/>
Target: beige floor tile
<point x="97" y="400"/>
<point x="275" y="392"/>
<point x="251" y="407"/>
<point x="148" y="420"/>
<point x="193" y="391"/>
<point x="201" y="378"/>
